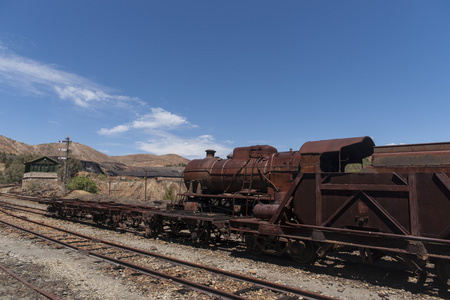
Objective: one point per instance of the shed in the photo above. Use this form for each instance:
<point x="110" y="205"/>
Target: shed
<point x="41" y="172"/>
<point x="42" y="164"/>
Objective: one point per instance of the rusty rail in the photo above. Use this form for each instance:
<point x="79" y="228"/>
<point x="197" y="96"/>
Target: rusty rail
<point x="205" y="289"/>
<point x="40" y="291"/>
<point x="140" y="269"/>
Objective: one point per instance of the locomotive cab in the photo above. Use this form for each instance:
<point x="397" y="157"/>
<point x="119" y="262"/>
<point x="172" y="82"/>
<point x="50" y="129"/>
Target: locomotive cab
<point x="334" y="155"/>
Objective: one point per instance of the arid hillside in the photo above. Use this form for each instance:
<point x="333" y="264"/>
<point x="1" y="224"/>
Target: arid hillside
<point x="87" y="153"/>
<point x="145" y="160"/>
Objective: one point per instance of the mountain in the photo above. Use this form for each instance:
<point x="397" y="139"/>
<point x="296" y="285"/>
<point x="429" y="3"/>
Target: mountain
<point x="83" y="152"/>
<point x="11" y="146"/>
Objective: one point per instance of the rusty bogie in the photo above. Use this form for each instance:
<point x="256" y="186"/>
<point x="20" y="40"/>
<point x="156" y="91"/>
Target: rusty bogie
<point x="200" y="231"/>
<point x="153" y="225"/>
<point x="443" y="271"/>
<point x="303" y="252"/>
<point x="255" y="243"/>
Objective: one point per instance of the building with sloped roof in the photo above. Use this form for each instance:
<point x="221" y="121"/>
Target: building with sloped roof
<point x="42" y="172"/>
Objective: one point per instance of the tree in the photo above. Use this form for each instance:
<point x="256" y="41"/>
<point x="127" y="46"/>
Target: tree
<point x="74" y="166"/>
<point x="14" y="173"/>
<point x="14" y="168"/>
<point x="83" y="183"/>
<point x="169" y="194"/>
<point x="2" y="157"/>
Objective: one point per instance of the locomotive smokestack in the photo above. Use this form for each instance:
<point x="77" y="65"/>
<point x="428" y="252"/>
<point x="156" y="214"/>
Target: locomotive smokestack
<point x="210" y="153"/>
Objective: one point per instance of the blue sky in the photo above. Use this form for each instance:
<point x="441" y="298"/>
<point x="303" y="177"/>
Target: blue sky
<point x="127" y="77"/>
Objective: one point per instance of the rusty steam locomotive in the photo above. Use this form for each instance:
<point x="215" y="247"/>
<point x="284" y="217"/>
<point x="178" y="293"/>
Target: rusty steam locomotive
<point x="329" y="195"/>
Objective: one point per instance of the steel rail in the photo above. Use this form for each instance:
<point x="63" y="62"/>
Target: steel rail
<point x="190" y="284"/>
<point x="259" y="282"/>
<point x="24" y="197"/>
<point x="22" y="207"/>
<point x="40" y="291"/>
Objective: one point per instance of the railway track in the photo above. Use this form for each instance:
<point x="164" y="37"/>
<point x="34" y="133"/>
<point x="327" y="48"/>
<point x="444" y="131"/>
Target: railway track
<point x="25" y="197"/>
<point x="207" y="280"/>
<point x="24" y="208"/>
<point x="386" y="275"/>
<point x="28" y="284"/>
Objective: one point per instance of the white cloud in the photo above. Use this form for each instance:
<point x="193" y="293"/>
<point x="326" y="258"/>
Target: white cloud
<point x="395" y="144"/>
<point x="31" y="76"/>
<point x="186" y="147"/>
<point x="159" y="119"/>
<point x="114" y="130"/>
<point x="157" y="125"/>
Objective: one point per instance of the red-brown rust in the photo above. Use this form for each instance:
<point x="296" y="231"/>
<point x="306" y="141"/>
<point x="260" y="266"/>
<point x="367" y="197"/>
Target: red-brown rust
<point x="40" y="291"/>
<point x="412" y="158"/>
<point x="257" y="168"/>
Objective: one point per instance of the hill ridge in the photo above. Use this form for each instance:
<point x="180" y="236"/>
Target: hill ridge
<point x="84" y="152"/>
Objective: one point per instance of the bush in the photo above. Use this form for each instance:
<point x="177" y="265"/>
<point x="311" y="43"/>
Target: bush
<point x="102" y="177"/>
<point x="83" y="183"/>
<point x="169" y="194"/>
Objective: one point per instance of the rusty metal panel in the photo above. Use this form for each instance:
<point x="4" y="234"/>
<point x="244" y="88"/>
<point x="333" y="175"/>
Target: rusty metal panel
<point x="414" y="155"/>
<point x="429" y="147"/>
<point x="244" y="153"/>
<point x="418" y="205"/>
<point x="364" y="145"/>
<point x="412" y="159"/>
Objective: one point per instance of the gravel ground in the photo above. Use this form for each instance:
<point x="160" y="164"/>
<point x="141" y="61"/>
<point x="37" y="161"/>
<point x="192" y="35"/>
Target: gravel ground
<point x="72" y="275"/>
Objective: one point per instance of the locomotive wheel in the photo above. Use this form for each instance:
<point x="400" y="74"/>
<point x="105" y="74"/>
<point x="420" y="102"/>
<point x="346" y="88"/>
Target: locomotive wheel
<point x="100" y="219"/>
<point x="443" y="271"/>
<point x="114" y="221"/>
<point x="61" y="214"/>
<point x="200" y="233"/>
<point x="135" y="222"/>
<point x="157" y="228"/>
<point x="217" y="235"/>
<point x="154" y="227"/>
<point x="175" y="227"/>
<point x="303" y="252"/>
<point x="254" y="243"/>
<point x="192" y="226"/>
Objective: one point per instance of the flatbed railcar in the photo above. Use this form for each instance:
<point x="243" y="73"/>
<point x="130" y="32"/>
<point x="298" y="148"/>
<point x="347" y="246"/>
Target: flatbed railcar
<point x="329" y="195"/>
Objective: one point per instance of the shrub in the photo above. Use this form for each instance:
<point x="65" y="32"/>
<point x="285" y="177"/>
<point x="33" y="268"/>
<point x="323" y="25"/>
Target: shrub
<point x="169" y="194"/>
<point x="102" y="177"/>
<point x="83" y="183"/>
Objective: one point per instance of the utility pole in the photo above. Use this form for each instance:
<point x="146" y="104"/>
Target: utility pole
<point x="145" y="187"/>
<point x="66" y="161"/>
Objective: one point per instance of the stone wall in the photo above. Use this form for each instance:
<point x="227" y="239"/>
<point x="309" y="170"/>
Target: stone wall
<point x="39" y="181"/>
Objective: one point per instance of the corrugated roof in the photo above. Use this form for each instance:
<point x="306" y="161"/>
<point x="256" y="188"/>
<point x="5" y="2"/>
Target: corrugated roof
<point x="150" y="172"/>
